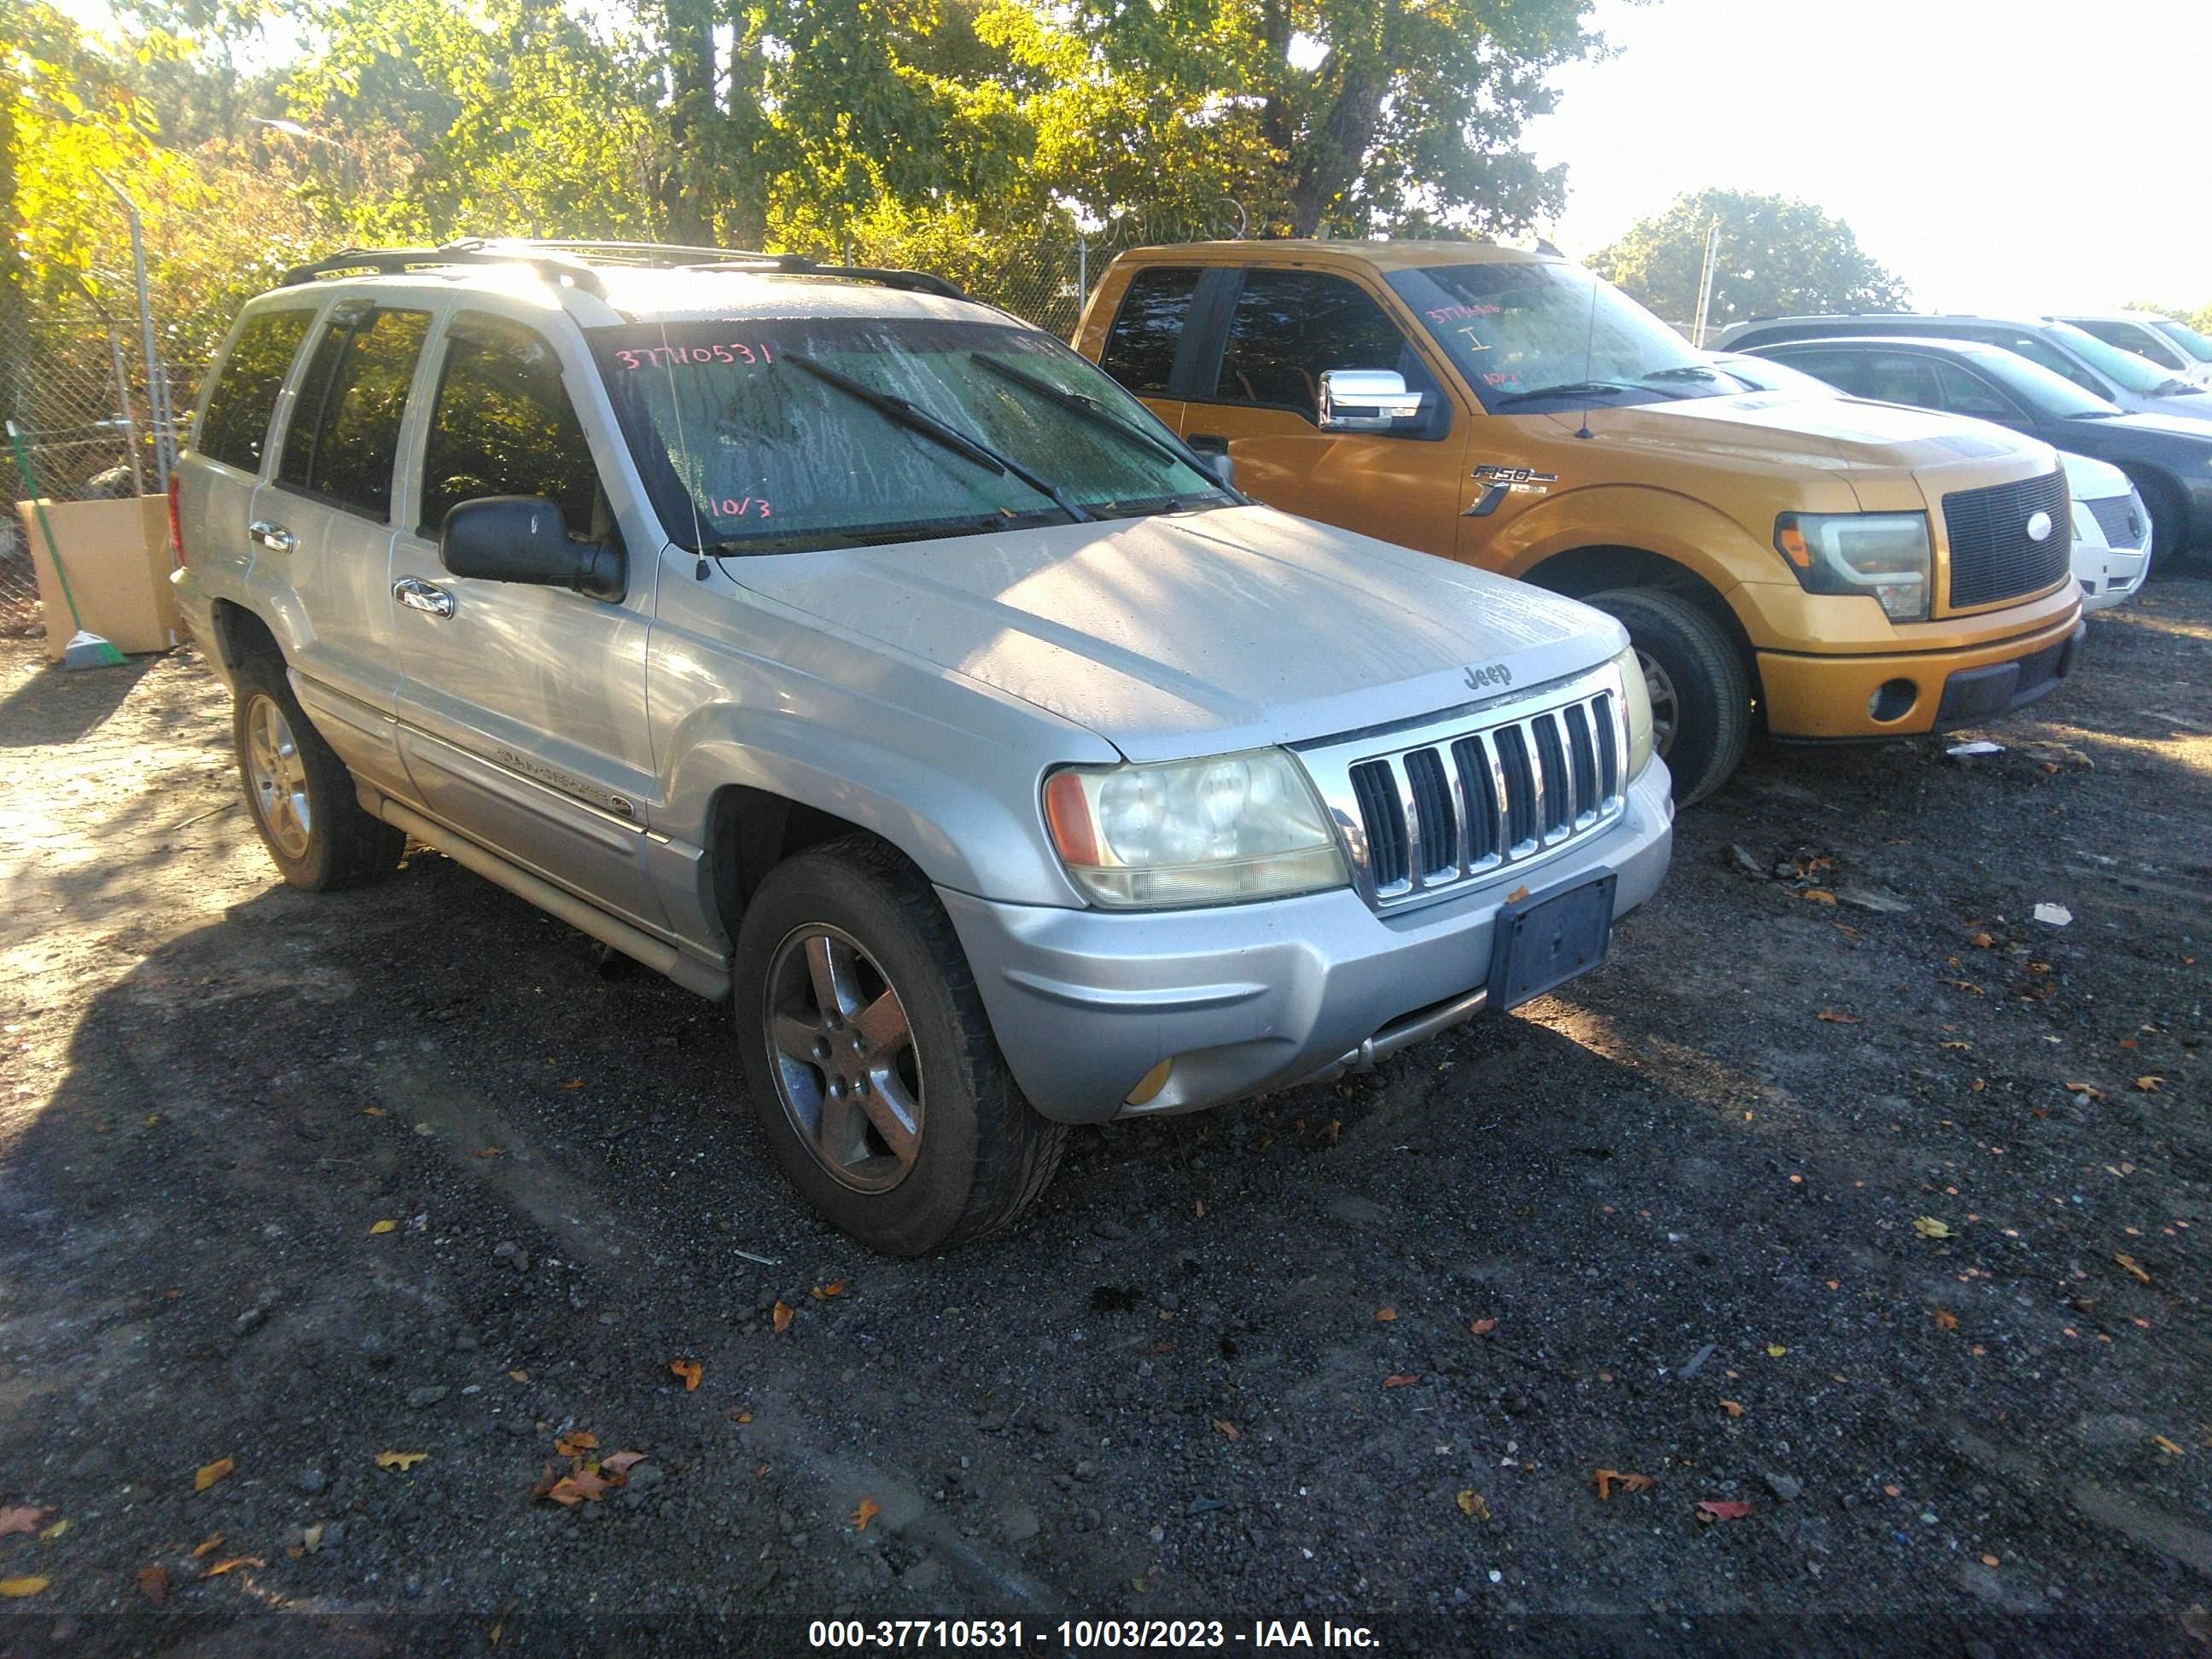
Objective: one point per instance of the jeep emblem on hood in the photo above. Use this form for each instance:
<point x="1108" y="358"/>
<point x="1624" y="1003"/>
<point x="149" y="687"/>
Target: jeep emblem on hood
<point x="2038" y="526"/>
<point x="1496" y="673"/>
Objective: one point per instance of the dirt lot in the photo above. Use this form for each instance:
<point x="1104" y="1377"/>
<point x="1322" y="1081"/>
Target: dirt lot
<point x="1887" y="1223"/>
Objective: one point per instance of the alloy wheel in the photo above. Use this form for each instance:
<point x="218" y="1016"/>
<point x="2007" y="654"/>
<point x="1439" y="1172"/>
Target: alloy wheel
<point x="843" y="1056"/>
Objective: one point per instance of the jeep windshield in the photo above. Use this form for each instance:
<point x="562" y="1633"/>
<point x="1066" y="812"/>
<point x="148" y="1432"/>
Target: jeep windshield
<point x="1534" y="338"/>
<point x="788" y="435"/>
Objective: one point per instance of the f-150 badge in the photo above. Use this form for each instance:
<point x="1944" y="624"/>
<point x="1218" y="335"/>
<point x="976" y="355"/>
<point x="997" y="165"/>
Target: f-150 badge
<point x="1518" y="480"/>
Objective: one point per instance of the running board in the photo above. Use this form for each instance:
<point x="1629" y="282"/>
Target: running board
<point x="585" y="918"/>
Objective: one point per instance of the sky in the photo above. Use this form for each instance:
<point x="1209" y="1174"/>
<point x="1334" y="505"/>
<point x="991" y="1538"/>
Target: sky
<point x="2002" y="156"/>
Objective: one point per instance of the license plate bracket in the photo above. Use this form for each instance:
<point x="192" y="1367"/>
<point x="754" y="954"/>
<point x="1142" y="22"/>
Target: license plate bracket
<point x="1543" y="941"/>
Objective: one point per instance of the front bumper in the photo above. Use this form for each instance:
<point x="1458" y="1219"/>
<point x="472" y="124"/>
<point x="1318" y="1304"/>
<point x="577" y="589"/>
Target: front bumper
<point x="2108" y="574"/>
<point x="1252" y="997"/>
<point x="1816" y="698"/>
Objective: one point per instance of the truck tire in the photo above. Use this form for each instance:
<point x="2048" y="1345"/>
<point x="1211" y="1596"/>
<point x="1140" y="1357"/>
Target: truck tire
<point x="1700" y="694"/>
<point x="299" y="792"/>
<point x="870" y="1060"/>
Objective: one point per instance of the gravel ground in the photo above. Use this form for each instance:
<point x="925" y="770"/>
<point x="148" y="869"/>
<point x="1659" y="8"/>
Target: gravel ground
<point x="1848" y="1197"/>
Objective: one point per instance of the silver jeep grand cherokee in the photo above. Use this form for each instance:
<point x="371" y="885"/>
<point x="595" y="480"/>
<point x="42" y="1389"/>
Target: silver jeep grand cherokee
<point x="854" y="652"/>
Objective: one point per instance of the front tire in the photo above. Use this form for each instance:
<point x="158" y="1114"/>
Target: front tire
<point x="871" y="1062"/>
<point x="1700" y="692"/>
<point x="301" y="794"/>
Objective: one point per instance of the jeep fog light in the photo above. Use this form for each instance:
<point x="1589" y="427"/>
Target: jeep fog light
<point x="1886" y="556"/>
<point x="1209" y="832"/>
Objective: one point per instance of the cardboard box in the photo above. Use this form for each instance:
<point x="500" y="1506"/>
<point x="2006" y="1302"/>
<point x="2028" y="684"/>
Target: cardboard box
<point x="117" y="554"/>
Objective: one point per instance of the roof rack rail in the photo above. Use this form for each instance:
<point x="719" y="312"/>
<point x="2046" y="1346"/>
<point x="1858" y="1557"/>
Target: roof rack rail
<point x="678" y="256"/>
<point x="395" y="260"/>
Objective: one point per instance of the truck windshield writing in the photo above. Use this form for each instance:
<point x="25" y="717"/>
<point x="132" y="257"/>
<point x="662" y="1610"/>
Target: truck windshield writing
<point x="789" y="435"/>
<point x="1524" y="334"/>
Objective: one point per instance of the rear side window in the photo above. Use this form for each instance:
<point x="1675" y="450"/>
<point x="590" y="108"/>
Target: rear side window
<point x="504" y="426"/>
<point x="2031" y="347"/>
<point x="235" y="428"/>
<point x="1291" y="327"/>
<point x="1901" y="377"/>
<point x="2132" y="336"/>
<point x="345" y="432"/>
<point x="1141" y="351"/>
<point x="1840" y="369"/>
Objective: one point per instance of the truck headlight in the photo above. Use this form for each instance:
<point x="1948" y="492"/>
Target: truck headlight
<point x="1886" y="555"/>
<point x="1192" y="832"/>
<point x="1636" y="694"/>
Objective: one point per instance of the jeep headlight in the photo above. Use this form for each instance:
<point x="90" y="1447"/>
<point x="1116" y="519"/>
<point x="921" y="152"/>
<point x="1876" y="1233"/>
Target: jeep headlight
<point x="1192" y="832"/>
<point x="1886" y="555"/>
<point x="1636" y="695"/>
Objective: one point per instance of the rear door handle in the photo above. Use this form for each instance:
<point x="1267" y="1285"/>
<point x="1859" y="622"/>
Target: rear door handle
<point x="418" y="595"/>
<point x="273" y="537"/>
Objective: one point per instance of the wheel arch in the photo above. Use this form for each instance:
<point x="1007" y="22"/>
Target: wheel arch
<point x="241" y="634"/>
<point x="1578" y="572"/>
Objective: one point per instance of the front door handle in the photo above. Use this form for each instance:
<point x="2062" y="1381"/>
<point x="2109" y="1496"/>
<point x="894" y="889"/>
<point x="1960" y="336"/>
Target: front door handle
<point x="418" y="595"/>
<point x="273" y="537"/>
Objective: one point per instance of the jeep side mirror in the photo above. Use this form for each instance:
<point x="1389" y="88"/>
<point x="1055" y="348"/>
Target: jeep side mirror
<point x="525" y="539"/>
<point x="1367" y="400"/>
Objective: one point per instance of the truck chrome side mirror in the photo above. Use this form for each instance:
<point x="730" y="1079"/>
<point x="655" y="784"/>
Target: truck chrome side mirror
<point x="1367" y="400"/>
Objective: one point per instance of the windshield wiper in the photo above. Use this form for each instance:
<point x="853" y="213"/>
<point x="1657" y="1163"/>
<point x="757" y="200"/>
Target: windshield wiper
<point x="874" y="535"/>
<point x="917" y="419"/>
<point x="1076" y="403"/>
<point x="1569" y="389"/>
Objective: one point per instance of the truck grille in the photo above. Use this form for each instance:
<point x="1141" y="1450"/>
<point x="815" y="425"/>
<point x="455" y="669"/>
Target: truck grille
<point x="2121" y="518"/>
<point x="1423" y="812"/>
<point x="1992" y="555"/>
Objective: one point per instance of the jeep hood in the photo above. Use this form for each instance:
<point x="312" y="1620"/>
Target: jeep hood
<point x="1200" y="634"/>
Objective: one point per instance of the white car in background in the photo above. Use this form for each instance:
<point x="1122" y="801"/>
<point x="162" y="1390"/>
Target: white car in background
<point x="2112" y="526"/>
<point x="2174" y="347"/>
<point x="2111" y="532"/>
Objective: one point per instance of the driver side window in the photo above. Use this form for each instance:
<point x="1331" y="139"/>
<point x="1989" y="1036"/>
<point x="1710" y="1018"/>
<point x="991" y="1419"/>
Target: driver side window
<point x="1291" y="327"/>
<point x="503" y="426"/>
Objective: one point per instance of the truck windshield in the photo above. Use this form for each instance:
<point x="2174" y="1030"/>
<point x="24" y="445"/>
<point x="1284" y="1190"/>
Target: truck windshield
<point x="2184" y="337"/>
<point x="1530" y="337"/>
<point x="787" y="435"/>
<point x="2144" y="379"/>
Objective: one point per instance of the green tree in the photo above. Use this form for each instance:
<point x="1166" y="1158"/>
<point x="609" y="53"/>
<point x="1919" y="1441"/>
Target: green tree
<point x="1775" y="256"/>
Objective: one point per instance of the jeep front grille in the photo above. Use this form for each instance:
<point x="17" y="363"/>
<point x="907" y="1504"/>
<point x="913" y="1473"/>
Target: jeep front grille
<point x="1424" y="810"/>
<point x="1992" y="555"/>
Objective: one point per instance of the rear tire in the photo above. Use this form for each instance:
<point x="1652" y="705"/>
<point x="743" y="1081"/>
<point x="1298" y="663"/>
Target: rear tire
<point x="886" y="1101"/>
<point x="301" y="794"/>
<point x="1693" y="669"/>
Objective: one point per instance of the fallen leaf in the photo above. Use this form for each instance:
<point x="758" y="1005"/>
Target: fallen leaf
<point x="1401" y="1379"/>
<point x="491" y="1151"/>
<point x="383" y="1227"/>
<point x="869" y="1510"/>
<point x="1517" y="895"/>
<point x="1483" y="1327"/>
<point x="1732" y="1407"/>
<point x="1988" y="1560"/>
<point x="1227" y="1430"/>
<point x="782" y="1316"/>
<point x="735" y="1415"/>
<point x="16" y="1588"/>
<point x="824" y="1293"/>
<point x="207" y="1546"/>
<point x="621" y="1462"/>
<point x="23" y="1517"/>
<point x="2130" y="1042"/>
<point x="1198" y="1208"/>
<point x="576" y="1442"/>
<point x="1471" y="1502"/>
<point x="53" y="1532"/>
<point x="311" y="1538"/>
<point x="1981" y="941"/>
<point x="399" y="1459"/>
<point x="233" y="1563"/>
<point x="1722" y="1508"/>
<point x="1966" y="1046"/>
<point x="366" y="1111"/>
<point x="518" y="1377"/>
<point x="1818" y="895"/>
<point x="2132" y="1266"/>
<point x="1384" y="1315"/>
<point x="574" y="1083"/>
<point x="582" y="1485"/>
<point x="208" y="1474"/>
<point x="1837" y="1017"/>
<point x="2150" y="1085"/>
<point x="1946" y="1320"/>
<point x="1928" y="1227"/>
<point x="1607" y="1477"/>
<point x="1894" y="1492"/>
<point x="2088" y="1088"/>
<point x="2159" y="1440"/>
<point x="688" y="1370"/>
<point x="1775" y="1350"/>
<point x="153" y="1584"/>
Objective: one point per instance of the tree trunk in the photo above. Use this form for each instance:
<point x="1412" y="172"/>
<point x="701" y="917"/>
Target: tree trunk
<point x="1334" y="153"/>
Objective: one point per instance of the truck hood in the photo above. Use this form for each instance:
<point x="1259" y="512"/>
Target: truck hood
<point x="1835" y="434"/>
<point x="1199" y="634"/>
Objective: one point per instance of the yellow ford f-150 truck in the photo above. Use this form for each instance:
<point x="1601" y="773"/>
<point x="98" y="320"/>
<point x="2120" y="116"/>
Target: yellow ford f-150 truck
<point x="1826" y="568"/>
